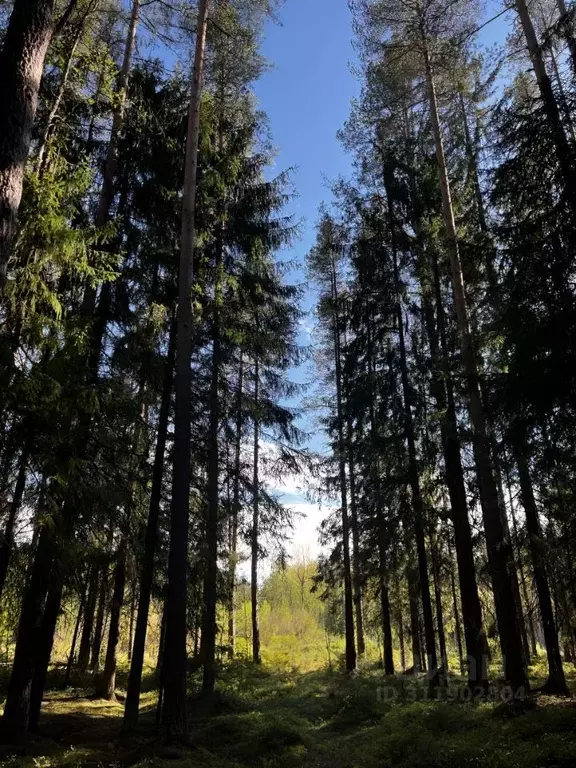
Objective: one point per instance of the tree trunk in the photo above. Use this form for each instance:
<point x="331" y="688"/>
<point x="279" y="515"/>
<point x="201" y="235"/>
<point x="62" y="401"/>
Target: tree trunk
<point x="106" y="682"/>
<point x="255" y="524"/>
<point x="100" y="616"/>
<point x="51" y="119"/>
<point x="350" y="649"/>
<point x="174" y="710"/>
<point x="556" y="683"/>
<point x="86" y="637"/>
<point x="150" y="543"/>
<point x="401" y="638"/>
<point x="567" y="28"/>
<point x="45" y="645"/>
<point x="458" y="630"/>
<point x="72" y="653"/>
<point x="109" y="173"/>
<point x="22" y="57"/>
<point x="499" y="551"/>
<point x="443" y="393"/>
<point x="413" y="596"/>
<point x="17" y="707"/>
<point x="388" y="657"/>
<point x="357" y="575"/>
<point x="527" y="626"/>
<point x="551" y="110"/>
<point x="7" y="541"/>
<point x="414" y="479"/>
<point x="437" y="576"/>
<point x="209" y="628"/>
<point x="235" y="512"/>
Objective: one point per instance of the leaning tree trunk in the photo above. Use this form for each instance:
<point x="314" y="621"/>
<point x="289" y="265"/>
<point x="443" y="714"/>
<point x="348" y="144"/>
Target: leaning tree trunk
<point x="498" y="546"/>
<point x="255" y="524"/>
<point x="22" y="57"/>
<point x="150" y="543"/>
<point x="174" y="708"/>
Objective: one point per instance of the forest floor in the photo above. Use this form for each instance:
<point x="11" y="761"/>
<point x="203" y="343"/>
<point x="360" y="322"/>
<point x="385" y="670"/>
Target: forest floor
<point x="261" y="718"/>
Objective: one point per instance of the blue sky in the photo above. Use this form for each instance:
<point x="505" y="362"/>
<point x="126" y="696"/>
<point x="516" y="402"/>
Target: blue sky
<point x="306" y="96"/>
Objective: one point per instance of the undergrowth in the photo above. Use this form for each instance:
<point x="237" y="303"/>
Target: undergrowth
<point x="269" y="718"/>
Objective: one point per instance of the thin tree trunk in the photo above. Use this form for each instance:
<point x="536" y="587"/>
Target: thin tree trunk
<point x="255" y="524"/>
<point x="109" y="173"/>
<point x="131" y="623"/>
<point x="551" y="110"/>
<point x="417" y="502"/>
<point x="174" y="709"/>
<point x="413" y="596"/>
<point x="51" y="119"/>
<point x="443" y="392"/>
<point x="93" y="580"/>
<point x="499" y="551"/>
<point x="24" y="48"/>
<point x="209" y="627"/>
<point x="45" y="642"/>
<point x="72" y="653"/>
<point x="150" y="543"/>
<point x="458" y="630"/>
<point x="235" y="512"/>
<point x="530" y="633"/>
<point x="401" y="638"/>
<point x="7" y="542"/>
<point x="568" y="30"/>
<point x="436" y="576"/>
<point x="350" y="649"/>
<point x="106" y="682"/>
<point x="388" y="656"/>
<point x="100" y="615"/>
<point x="356" y="572"/>
<point x="556" y="683"/>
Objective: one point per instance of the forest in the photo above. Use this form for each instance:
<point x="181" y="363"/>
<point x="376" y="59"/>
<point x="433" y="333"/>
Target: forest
<point x="157" y="392"/>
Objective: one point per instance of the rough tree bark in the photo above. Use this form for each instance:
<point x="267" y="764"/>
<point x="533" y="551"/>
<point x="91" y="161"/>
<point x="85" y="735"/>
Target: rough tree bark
<point x="26" y="42"/>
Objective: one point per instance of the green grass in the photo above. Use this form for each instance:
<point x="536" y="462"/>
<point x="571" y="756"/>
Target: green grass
<point x="266" y="718"/>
